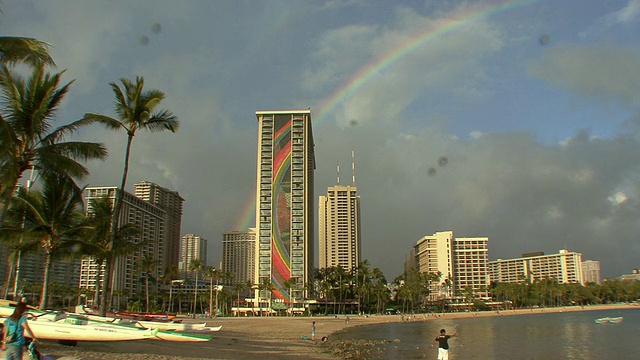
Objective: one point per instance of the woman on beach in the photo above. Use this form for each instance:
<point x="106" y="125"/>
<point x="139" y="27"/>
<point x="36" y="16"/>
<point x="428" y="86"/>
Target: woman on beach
<point x="13" y="341"/>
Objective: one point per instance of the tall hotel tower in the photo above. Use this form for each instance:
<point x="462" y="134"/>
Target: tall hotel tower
<point x="339" y="222"/>
<point x="171" y="202"/>
<point x="193" y="247"/>
<point x="285" y="202"/>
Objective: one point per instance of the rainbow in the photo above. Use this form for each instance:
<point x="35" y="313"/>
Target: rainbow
<point x="387" y="59"/>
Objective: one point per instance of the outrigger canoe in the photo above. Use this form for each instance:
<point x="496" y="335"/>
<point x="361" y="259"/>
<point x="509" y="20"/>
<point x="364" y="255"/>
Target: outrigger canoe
<point x="70" y="329"/>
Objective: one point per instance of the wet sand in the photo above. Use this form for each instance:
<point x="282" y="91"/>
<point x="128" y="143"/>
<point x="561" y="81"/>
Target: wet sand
<point x="262" y="337"/>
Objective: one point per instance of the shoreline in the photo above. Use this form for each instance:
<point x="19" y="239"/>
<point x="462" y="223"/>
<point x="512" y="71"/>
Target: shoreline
<point x="267" y="337"/>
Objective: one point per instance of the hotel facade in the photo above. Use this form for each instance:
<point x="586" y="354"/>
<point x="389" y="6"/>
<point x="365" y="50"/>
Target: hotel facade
<point x="285" y="203"/>
<point x="565" y="267"/>
<point x="239" y="254"/>
<point x="462" y="263"/>
<point x="339" y="228"/>
<point x="152" y="220"/>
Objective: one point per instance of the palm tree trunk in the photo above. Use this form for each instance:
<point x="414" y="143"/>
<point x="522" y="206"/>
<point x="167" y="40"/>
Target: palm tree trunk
<point x="45" y="283"/>
<point x="117" y="207"/>
<point x="147" y="291"/>
<point x="104" y="303"/>
<point x="7" y="281"/>
<point x="195" y="297"/>
<point x="96" y="298"/>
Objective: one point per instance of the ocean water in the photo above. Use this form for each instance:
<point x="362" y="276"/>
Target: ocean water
<point x="537" y="336"/>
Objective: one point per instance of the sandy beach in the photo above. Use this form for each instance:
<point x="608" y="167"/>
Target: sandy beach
<point x="263" y="337"/>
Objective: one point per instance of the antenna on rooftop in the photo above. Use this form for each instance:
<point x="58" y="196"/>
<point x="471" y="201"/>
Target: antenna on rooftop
<point x="353" y="167"/>
<point x="338" y="172"/>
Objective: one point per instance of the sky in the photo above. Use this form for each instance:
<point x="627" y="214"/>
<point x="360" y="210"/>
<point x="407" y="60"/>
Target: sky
<point x="513" y="120"/>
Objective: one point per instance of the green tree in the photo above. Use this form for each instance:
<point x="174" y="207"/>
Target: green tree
<point x="170" y="273"/>
<point x="265" y="285"/>
<point x="195" y="266"/>
<point x="136" y="109"/>
<point x="53" y="221"/>
<point x="30" y="51"/>
<point x="27" y="140"/>
<point x="98" y="237"/>
<point x="147" y="266"/>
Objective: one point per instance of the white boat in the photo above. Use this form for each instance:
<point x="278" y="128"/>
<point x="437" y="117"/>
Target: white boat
<point x="163" y="326"/>
<point x="72" y="329"/>
<point x="616" y="320"/>
<point x="604" y="320"/>
<point x="182" y="336"/>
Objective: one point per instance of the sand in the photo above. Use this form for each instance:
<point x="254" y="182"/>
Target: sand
<point x="263" y="337"/>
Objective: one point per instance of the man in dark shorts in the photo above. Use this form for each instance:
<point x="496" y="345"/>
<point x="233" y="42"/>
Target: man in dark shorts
<point x="443" y="344"/>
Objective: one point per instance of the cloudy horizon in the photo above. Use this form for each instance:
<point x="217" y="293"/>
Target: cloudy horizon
<point x="533" y="104"/>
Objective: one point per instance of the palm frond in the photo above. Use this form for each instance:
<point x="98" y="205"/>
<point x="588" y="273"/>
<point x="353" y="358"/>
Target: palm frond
<point x="27" y="50"/>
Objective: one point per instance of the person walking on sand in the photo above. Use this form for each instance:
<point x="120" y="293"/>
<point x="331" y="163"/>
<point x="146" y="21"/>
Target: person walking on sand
<point x="313" y="330"/>
<point x="13" y="341"/>
<point x="443" y="344"/>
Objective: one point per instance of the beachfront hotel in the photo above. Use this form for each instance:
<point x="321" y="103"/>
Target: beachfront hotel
<point x="152" y="220"/>
<point x="171" y="202"/>
<point x="192" y="247"/>
<point x="565" y="267"/>
<point x="461" y="263"/>
<point x="239" y="254"/>
<point x="339" y="227"/>
<point x="285" y="203"/>
<point x="591" y="272"/>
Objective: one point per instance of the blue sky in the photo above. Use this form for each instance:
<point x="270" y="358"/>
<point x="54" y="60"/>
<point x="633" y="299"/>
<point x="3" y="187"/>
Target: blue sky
<point x="541" y="137"/>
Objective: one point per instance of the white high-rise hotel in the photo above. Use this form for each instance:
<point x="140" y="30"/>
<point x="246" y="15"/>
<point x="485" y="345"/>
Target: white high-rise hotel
<point x="193" y="247"/>
<point x="238" y="255"/>
<point x="339" y="223"/>
<point x="284" y="202"/>
<point x="460" y="262"/>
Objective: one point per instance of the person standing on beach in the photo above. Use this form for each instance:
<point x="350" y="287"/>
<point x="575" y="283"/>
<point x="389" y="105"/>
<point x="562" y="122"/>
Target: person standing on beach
<point x="443" y="344"/>
<point x="313" y="330"/>
<point x="13" y="341"/>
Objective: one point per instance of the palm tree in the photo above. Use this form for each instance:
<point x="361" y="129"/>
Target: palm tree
<point x="211" y="273"/>
<point x="195" y="266"/>
<point x="26" y="139"/>
<point x="30" y="51"/>
<point x="238" y="288"/>
<point x="148" y="266"/>
<point x="171" y="272"/>
<point x="136" y="109"/>
<point x="266" y="285"/>
<point x="53" y="222"/>
<point x="98" y="238"/>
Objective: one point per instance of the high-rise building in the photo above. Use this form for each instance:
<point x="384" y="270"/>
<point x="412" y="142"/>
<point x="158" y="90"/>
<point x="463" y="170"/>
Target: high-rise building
<point x="239" y="255"/>
<point x="470" y="265"/>
<point x="591" y="272"/>
<point x="564" y="267"/>
<point x="192" y="247"/>
<point x="171" y="202"/>
<point x="461" y="264"/>
<point x="151" y="219"/>
<point x="339" y="227"/>
<point x="434" y="255"/>
<point x="285" y="202"/>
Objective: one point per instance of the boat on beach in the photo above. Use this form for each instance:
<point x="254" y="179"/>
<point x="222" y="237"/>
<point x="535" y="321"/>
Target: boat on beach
<point x="62" y="326"/>
<point x="72" y="329"/>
